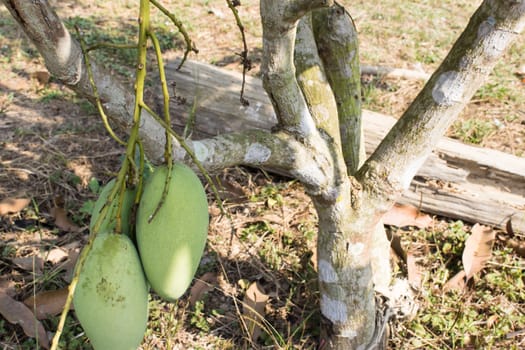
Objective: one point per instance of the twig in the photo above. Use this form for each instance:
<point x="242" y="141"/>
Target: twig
<point x="190" y="46"/>
<point x="246" y="62"/>
<point x="95" y="90"/>
<point x="168" y="158"/>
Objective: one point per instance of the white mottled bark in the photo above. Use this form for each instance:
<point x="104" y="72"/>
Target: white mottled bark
<point x="489" y="33"/>
<point x="308" y="143"/>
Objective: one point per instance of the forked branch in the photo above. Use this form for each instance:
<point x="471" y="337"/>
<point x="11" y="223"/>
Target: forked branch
<point x="491" y="30"/>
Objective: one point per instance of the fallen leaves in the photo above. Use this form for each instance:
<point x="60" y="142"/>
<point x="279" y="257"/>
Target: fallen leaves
<point x="202" y="285"/>
<point x="511" y="241"/>
<point x="13" y="205"/>
<point x="47" y="303"/>
<point x="62" y="220"/>
<point x="414" y="271"/>
<point x="16" y="312"/>
<point x="402" y="215"/>
<point x="33" y="263"/>
<point x="253" y="312"/>
<point x="43" y="304"/>
<point x="478" y="250"/>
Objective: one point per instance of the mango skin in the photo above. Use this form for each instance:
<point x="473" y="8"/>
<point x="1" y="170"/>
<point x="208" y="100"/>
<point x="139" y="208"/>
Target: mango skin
<point x="110" y="223"/>
<point x="172" y="244"/>
<point x="111" y="297"/>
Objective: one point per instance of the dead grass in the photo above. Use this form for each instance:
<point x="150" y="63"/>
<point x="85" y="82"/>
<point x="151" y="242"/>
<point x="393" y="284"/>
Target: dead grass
<point x="53" y="146"/>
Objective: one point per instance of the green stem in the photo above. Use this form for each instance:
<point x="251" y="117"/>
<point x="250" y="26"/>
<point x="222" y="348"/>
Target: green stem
<point x="95" y="90"/>
<point x="121" y="177"/>
<point x="189" y="151"/>
<point x="190" y="46"/>
<point x="167" y="118"/>
<point x="110" y="46"/>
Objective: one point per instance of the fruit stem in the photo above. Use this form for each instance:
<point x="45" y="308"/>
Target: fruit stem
<point x="144" y="22"/>
<point x="168" y="158"/>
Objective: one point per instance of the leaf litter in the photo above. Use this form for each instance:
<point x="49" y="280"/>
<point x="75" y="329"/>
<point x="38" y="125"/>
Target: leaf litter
<point x="254" y="304"/>
<point x="62" y="220"/>
<point x="13" y="205"/>
<point x="16" y="312"/>
<point x="478" y="249"/>
<point x="245" y="266"/>
<point x="47" y="303"/>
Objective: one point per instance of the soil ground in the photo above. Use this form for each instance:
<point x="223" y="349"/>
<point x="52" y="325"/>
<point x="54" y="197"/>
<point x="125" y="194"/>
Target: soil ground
<point x="55" y="151"/>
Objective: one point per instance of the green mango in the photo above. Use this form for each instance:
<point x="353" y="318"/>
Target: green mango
<point x="110" y="223"/>
<point x="111" y="297"/>
<point x="172" y="244"/>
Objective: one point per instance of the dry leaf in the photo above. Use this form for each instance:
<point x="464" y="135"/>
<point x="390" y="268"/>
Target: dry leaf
<point x="13" y="205"/>
<point x="42" y="76"/>
<point x="415" y="272"/>
<point x="478" y="249"/>
<point x="16" y="312"/>
<point x="70" y="264"/>
<point x="56" y="255"/>
<point x="30" y="263"/>
<point x="516" y="245"/>
<point x="62" y="221"/>
<point x="47" y="303"/>
<point x="253" y="311"/>
<point x="458" y="282"/>
<point x="401" y="215"/>
<point x="395" y="244"/>
<point x="509" y="228"/>
<point x="202" y="285"/>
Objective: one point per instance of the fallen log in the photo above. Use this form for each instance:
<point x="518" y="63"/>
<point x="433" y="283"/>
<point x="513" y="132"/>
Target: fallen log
<point x="388" y="72"/>
<point x="457" y="181"/>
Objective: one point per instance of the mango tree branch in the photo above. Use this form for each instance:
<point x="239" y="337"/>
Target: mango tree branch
<point x="489" y="33"/>
<point x="63" y="58"/>
<point x="336" y="38"/>
<point x="321" y="104"/>
<point x="313" y="82"/>
<point x="279" y="24"/>
<point x="278" y="152"/>
<point x="295" y="9"/>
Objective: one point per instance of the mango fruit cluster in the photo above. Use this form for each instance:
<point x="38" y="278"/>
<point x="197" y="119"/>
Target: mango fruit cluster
<point x="111" y="297"/>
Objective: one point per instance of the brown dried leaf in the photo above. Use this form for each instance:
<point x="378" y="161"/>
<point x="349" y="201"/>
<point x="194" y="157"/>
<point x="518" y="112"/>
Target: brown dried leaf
<point x="42" y="76"/>
<point x="401" y="215"/>
<point x="16" y="312"/>
<point x="516" y="245"/>
<point x="415" y="272"/>
<point x="478" y="249"/>
<point x="30" y="263"/>
<point x="509" y="228"/>
<point x="253" y="311"/>
<point x="231" y="189"/>
<point x="62" y="221"/>
<point x="56" y="255"/>
<point x="395" y="244"/>
<point x="70" y="264"/>
<point x="47" y="303"/>
<point x="13" y="205"/>
<point x="202" y="285"/>
<point x="458" y="282"/>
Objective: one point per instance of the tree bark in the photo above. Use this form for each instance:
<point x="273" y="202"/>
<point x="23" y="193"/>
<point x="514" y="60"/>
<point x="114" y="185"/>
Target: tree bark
<point x="457" y="180"/>
<point x="307" y="144"/>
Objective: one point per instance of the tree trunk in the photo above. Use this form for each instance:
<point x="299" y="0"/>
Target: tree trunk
<point x="312" y="142"/>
